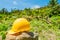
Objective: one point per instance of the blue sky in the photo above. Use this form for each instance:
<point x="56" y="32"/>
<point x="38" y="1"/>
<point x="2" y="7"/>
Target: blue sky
<point x="21" y="4"/>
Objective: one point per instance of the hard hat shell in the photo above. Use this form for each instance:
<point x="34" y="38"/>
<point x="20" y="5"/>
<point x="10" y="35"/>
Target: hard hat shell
<point x="20" y="25"/>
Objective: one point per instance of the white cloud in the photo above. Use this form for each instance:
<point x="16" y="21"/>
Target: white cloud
<point x="35" y="6"/>
<point x="15" y="3"/>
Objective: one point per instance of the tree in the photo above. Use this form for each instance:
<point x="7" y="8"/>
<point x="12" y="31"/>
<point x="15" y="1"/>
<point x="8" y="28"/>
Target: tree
<point x="53" y="3"/>
<point x="3" y="11"/>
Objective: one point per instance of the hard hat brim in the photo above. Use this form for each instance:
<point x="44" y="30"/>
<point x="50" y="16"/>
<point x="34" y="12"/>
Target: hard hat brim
<point x="11" y="32"/>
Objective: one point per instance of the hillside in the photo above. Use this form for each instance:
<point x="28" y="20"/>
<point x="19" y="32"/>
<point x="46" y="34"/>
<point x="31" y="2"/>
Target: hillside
<point x="42" y="20"/>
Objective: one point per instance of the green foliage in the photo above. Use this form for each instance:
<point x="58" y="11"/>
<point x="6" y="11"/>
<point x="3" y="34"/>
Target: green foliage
<point x="53" y="3"/>
<point x="3" y="33"/>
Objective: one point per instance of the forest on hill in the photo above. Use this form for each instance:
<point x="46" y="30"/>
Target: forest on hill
<point x="43" y="20"/>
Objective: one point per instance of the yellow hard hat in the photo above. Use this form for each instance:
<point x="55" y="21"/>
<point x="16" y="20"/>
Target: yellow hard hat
<point x="20" y="25"/>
